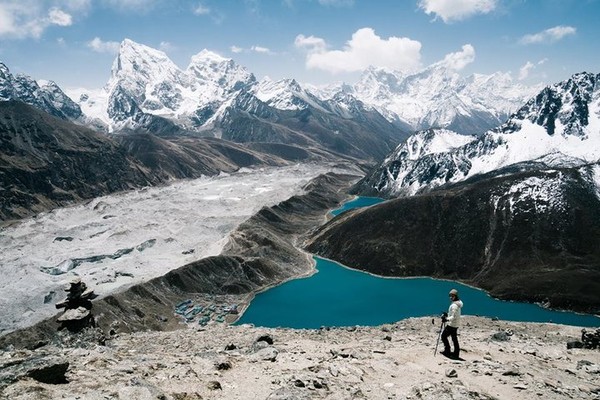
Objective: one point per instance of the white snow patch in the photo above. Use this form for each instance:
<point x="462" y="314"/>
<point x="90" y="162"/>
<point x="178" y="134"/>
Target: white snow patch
<point x="596" y="176"/>
<point x="543" y="194"/>
<point x="533" y="142"/>
<point x="423" y="143"/>
<point x="93" y="102"/>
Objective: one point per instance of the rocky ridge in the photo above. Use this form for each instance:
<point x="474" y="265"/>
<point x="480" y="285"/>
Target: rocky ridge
<point x="501" y="360"/>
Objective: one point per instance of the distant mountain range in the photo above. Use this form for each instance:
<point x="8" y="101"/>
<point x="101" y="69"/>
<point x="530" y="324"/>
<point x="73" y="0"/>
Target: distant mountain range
<point x="559" y="127"/>
<point x="214" y="96"/>
<point x="145" y="82"/>
<point x="438" y="97"/>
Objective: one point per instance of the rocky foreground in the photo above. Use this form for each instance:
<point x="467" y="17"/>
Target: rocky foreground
<point x="502" y="360"/>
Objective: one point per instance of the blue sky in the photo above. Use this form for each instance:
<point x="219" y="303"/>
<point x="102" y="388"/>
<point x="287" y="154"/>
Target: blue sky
<point x="74" y="42"/>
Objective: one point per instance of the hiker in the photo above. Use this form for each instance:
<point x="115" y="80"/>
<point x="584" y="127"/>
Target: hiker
<point x="453" y="320"/>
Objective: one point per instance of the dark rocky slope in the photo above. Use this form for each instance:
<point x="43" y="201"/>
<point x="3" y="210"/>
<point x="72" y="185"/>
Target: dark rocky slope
<point x="367" y="136"/>
<point x="191" y="157"/>
<point x="522" y="233"/>
<point x="47" y="162"/>
<point x="262" y="252"/>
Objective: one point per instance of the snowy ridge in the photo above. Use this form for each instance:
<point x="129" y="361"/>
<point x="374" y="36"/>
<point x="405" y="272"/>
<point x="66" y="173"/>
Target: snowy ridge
<point x="45" y="95"/>
<point x="596" y="178"/>
<point x="437" y="97"/>
<point x="93" y="103"/>
<point x="285" y="94"/>
<point x="560" y="127"/>
<point x="144" y="81"/>
<point x="429" y="142"/>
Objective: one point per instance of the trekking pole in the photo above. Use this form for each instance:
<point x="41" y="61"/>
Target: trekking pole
<point x="439" y="335"/>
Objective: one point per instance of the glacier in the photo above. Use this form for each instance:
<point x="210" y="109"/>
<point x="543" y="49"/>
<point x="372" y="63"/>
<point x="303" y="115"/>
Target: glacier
<point x="115" y="241"/>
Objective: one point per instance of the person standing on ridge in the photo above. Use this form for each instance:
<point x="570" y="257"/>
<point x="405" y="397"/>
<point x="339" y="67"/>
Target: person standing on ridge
<point x="453" y="320"/>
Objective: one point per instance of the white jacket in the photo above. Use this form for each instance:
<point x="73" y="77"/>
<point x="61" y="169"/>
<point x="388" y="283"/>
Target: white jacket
<point x="454" y="313"/>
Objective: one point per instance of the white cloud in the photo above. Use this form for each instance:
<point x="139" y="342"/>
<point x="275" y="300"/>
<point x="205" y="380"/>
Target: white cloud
<point x="255" y="49"/>
<point x="311" y="43"/>
<point x="59" y="17"/>
<point x="549" y="35"/>
<point x="365" y="48"/>
<point x="100" y="46"/>
<point x="260" y="49"/>
<point x="29" y="18"/>
<point x="460" y="59"/>
<point x="456" y="10"/>
<point x="201" y="9"/>
<point x="525" y="70"/>
<point x="7" y="20"/>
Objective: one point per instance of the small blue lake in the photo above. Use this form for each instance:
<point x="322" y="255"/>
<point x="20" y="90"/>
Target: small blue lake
<point x="357" y="203"/>
<point x="339" y="296"/>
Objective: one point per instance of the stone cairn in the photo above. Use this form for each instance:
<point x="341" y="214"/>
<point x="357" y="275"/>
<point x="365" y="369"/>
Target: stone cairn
<point x="77" y="305"/>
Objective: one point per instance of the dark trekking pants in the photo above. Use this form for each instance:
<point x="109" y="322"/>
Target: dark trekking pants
<point x="452" y="332"/>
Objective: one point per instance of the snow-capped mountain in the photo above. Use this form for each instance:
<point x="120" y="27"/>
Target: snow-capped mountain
<point x="215" y="96"/>
<point x="144" y="82"/>
<point x="45" y="95"/>
<point x="438" y="97"/>
<point x="285" y="94"/>
<point x="560" y="126"/>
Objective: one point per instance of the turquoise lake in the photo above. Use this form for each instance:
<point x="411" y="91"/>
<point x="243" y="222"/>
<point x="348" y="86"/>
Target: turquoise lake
<point x="357" y="203"/>
<point x="339" y="296"/>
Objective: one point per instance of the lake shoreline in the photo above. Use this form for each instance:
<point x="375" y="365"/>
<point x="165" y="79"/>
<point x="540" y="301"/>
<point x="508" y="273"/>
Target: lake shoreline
<point x="325" y="299"/>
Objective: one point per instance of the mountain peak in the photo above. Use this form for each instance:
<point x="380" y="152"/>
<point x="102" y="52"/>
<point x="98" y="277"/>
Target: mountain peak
<point x="210" y="68"/>
<point x="565" y="108"/>
<point x="139" y="59"/>
<point x="562" y="120"/>
<point x="44" y="95"/>
<point x="3" y="69"/>
<point x="206" y="56"/>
